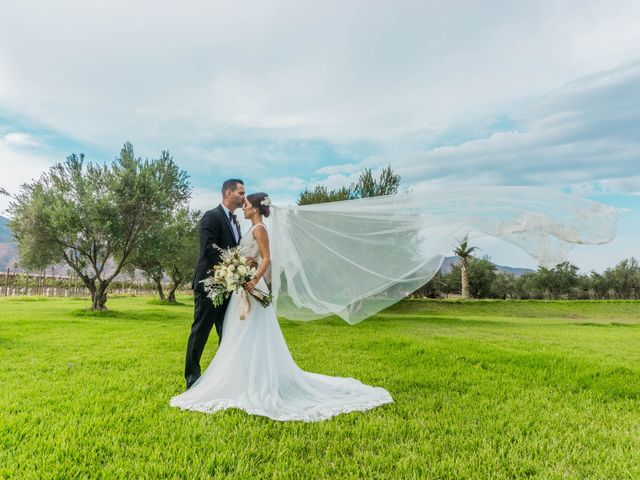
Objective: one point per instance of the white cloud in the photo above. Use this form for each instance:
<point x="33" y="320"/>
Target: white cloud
<point x="19" y="163"/>
<point x="587" y="132"/>
<point x="339" y="169"/>
<point x="226" y="86"/>
<point x="19" y="139"/>
<point x="338" y="180"/>
<point x="205" y="199"/>
<point x="280" y="183"/>
<point x="105" y="72"/>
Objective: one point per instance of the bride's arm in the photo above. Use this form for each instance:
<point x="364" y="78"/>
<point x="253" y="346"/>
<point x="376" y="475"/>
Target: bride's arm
<point x="260" y="234"/>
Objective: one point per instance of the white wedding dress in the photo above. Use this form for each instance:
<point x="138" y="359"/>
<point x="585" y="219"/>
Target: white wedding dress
<point x="254" y="371"/>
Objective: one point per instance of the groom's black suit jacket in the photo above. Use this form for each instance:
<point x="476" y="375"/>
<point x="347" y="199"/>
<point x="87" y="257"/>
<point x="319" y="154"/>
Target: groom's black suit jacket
<point x="215" y="228"/>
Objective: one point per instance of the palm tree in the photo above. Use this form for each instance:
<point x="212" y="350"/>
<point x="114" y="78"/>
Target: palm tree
<point x="463" y="251"/>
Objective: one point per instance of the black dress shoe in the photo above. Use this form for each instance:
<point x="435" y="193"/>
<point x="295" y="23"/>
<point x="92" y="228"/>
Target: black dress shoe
<point x="190" y="384"/>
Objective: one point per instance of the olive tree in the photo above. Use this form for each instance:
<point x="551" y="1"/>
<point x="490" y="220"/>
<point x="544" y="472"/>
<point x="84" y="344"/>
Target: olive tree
<point x="93" y="217"/>
<point x="170" y="249"/>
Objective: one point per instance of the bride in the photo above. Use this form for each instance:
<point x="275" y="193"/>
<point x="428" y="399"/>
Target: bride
<point x="253" y="369"/>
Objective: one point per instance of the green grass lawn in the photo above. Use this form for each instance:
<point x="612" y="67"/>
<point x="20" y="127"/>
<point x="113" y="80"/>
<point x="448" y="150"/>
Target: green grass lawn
<point x="483" y="389"/>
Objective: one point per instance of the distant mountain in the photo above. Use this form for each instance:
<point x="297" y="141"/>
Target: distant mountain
<point x="8" y="249"/>
<point x="449" y="262"/>
<point x="9" y="255"/>
<point x="517" y="271"/>
<point x="5" y="233"/>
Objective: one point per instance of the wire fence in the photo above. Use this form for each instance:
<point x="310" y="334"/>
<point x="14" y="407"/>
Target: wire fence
<point x="14" y="284"/>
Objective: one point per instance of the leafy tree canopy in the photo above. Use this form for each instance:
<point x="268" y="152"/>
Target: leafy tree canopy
<point x="87" y="214"/>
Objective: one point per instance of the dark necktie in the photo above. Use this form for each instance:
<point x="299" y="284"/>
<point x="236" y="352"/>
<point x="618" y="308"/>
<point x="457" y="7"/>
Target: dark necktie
<point x="234" y="222"/>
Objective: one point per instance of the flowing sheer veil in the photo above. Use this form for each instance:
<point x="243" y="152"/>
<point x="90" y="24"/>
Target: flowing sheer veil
<point x="357" y="257"/>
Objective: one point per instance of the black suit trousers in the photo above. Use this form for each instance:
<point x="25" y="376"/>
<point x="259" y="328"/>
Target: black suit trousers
<point x="205" y="316"/>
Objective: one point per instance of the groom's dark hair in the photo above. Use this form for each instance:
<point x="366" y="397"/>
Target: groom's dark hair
<point x="231" y="184"/>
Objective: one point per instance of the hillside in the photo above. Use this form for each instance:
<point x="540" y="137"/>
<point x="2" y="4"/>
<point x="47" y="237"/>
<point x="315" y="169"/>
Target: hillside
<point x="8" y="249"/>
<point x="517" y="271"/>
<point x="5" y="233"/>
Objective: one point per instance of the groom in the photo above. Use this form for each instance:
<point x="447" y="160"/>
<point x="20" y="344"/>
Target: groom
<point x="220" y="227"/>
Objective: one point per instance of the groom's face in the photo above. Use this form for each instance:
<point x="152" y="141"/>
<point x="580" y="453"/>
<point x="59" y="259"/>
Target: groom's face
<point x="236" y="197"/>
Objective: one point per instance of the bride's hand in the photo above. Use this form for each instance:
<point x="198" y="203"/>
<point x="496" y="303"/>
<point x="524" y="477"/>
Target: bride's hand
<point x="250" y="285"/>
<point x="252" y="262"/>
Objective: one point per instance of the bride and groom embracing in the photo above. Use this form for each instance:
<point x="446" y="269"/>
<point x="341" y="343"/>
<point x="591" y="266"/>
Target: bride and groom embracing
<point x="253" y="369"/>
<point x="373" y="250"/>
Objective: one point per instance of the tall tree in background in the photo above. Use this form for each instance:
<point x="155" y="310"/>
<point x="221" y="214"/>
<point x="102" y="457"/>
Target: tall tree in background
<point x="170" y="249"/>
<point x="148" y="256"/>
<point x="88" y="215"/>
<point x="624" y="278"/>
<point x="464" y="251"/>
<point x="320" y="194"/>
<point x="482" y="275"/>
<point x="185" y="241"/>
<point x="558" y="281"/>
<point x="366" y="186"/>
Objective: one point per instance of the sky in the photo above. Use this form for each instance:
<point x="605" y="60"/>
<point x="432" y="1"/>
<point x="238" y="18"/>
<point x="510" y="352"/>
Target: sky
<point x="291" y="94"/>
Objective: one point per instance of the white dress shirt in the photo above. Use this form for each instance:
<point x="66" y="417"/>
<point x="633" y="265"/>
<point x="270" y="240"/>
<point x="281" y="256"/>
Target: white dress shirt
<point x="234" y="226"/>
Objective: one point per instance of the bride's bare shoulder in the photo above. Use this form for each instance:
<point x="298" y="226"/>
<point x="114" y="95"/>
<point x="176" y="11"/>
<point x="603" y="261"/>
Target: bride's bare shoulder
<point x="259" y="231"/>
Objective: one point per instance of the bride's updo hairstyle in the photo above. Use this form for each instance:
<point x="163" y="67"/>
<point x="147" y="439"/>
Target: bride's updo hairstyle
<point x="261" y="201"/>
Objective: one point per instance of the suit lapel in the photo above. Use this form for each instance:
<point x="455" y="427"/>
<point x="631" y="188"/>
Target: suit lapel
<point x="227" y="221"/>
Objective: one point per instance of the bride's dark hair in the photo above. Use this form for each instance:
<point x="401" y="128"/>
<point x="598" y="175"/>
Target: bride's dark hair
<point x="256" y="199"/>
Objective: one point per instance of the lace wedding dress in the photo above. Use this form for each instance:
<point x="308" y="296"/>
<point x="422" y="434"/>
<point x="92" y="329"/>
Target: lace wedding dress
<point x="254" y="371"/>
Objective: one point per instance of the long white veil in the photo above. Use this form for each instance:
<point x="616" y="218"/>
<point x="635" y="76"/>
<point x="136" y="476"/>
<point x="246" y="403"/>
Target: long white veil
<point x="357" y="257"/>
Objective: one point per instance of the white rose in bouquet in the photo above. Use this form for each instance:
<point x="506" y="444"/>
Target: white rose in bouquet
<point x="229" y="276"/>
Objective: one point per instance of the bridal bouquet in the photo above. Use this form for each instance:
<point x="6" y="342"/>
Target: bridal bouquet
<point x="229" y="276"/>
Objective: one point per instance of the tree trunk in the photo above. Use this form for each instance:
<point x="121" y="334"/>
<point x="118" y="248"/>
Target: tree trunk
<point x="176" y="281"/>
<point x="464" y="280"/>
<point x="159" y="288"/>
<point x="99" y="297"/>
<point x="172" y="294"/>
